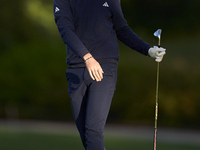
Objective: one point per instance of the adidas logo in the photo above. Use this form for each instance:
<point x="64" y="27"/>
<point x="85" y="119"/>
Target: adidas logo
<point x="105" y="4"/>
<point x="57" y="9"/>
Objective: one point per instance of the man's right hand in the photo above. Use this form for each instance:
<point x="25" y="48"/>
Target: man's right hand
<point x="94" y="68"/>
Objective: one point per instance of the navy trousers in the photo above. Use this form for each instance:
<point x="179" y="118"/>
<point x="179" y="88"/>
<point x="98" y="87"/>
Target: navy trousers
<point x="91" y="102"/>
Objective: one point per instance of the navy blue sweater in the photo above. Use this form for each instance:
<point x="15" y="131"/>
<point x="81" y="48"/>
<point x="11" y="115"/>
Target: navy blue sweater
<point x="93" y="26"/>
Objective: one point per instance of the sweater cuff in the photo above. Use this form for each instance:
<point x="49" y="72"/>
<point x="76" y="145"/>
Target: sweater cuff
<point x="83" y="53"/>
<point x="147" y="49"/>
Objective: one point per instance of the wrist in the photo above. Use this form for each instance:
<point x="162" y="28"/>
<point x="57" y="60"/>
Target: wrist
<point x="87" y="57"/>
<point x="151" y="52"/>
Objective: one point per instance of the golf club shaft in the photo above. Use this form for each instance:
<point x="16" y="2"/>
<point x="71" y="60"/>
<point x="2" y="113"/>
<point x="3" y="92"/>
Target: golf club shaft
<point x="157" y="34"/>
<point x="156" y="107"/>
<point x="159" y="42"/>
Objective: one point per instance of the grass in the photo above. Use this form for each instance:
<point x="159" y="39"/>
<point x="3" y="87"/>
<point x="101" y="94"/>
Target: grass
<point x="26" y="140"/>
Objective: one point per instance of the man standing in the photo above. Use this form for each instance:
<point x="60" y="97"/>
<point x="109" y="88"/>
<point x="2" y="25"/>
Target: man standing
<point x="90" y="29"/>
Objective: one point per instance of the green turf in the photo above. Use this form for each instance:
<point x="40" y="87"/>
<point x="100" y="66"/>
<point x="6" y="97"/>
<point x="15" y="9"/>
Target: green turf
<point x="15" y="140"/>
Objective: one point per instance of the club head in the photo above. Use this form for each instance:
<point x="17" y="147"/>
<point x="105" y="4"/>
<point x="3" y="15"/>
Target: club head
<point x="158" y="34"/>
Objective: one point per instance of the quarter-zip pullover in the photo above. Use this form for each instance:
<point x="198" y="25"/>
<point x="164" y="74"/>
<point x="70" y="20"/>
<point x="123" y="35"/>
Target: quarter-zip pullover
<point x="93" y="26"/>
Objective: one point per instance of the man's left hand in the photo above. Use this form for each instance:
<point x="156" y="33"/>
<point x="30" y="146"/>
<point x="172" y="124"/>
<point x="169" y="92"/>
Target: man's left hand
<point x="157" y="53"/>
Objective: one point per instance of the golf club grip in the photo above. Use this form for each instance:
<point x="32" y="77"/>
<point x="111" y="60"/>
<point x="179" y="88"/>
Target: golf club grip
<point x="154" y="146"/>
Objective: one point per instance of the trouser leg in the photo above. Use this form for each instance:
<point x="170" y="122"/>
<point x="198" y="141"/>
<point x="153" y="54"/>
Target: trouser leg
<point x="98" y="104"/>
<point x="91" y="103"/>
<point x="78" y="97"/>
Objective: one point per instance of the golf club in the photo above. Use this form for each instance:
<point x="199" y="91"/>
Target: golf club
<point x="157" y="34"/>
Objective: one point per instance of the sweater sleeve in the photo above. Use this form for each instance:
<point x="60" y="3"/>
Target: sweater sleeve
<point x="65" y="22"/>
<point x="124" y="32"/>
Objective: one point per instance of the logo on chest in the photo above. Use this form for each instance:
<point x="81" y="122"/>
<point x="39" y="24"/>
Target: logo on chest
<point x="105" y="4"/>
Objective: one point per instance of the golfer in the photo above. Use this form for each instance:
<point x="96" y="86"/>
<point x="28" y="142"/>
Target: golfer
<point x="90" y="29"/>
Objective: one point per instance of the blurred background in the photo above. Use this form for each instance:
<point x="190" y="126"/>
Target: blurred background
<point x="32" y="63"/>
